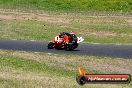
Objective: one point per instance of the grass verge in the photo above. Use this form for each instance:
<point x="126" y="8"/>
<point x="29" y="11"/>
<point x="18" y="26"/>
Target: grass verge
<point x="28" y="69"/>
<point x="44" y="26"/>
<point x="69" y="5"/>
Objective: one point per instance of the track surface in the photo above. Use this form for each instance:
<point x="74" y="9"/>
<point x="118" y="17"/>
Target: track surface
<point x="119" y="51"/>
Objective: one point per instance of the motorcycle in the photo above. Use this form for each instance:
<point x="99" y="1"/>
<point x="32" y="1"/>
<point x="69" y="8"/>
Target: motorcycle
<point x="65" y="41"/>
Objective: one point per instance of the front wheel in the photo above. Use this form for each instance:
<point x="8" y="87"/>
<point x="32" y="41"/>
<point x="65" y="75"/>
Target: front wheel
<point x="50" y="45"/>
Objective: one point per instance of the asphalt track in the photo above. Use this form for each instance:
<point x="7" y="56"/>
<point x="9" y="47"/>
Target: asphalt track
<point x="110" y="50"/>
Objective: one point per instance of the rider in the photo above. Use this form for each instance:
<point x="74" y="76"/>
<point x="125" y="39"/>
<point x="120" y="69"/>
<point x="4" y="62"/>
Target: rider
<point x="69" y="37"/>
<point x="64" y="36"/>
<point x="72" y="37"/>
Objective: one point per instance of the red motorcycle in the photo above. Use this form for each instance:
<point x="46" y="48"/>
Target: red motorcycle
<point x="64" y="40"/>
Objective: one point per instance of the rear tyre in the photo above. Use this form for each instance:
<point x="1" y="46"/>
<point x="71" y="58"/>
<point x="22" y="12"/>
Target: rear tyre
<point x="69" y="47"/>
<point x="75" y="45"/>
<point x="50" y="45"/>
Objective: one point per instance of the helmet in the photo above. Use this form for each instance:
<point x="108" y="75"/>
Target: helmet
<point x="72" y="33"/>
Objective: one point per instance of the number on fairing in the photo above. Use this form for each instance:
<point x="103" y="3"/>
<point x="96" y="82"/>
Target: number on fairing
<point x="57" y="38"/>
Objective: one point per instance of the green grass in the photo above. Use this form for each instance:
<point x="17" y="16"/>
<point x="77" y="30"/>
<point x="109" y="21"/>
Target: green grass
<point x="44" y="25"/>
<point x="27" y="73"/>
<point x="114" y="30"/>
<point x="69" y="5"/>
<point x="29" y="30"/>
<point x="38" y="70"/>
<point x="32" y="66"/>
<point x="29" y="70"/>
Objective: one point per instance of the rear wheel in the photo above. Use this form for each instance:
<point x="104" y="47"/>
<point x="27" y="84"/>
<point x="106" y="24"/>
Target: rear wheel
<point x="75" y="45"/>
<point x="69" y="47"/>
<point x="50" y="45"/>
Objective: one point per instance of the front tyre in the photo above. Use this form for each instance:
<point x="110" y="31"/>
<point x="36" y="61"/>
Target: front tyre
<point x="50" y="45"/>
